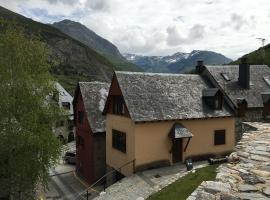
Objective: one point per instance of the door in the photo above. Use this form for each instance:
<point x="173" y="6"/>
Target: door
<point x="177" y="150"/>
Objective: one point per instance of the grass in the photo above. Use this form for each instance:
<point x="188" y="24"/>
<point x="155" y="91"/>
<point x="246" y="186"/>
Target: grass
<point x="183" y="187"/>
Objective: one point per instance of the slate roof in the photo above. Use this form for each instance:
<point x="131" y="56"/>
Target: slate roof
<point x="153" y="96"/>
<point x="179" y="131"/>
<point x="94" y="96"/>
<point x="235" y="91"/>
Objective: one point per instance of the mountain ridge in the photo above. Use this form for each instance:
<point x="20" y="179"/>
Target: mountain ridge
<point x="75" y="61"/>
<point x="103" y="46"/>
<point x="179" y="62"/>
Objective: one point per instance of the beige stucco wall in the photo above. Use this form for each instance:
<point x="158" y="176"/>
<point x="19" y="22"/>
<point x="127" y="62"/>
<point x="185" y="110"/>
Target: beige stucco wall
<point x="115" y="158"/>
<point x="152" y="142"/>
<point x="149" y="142"/>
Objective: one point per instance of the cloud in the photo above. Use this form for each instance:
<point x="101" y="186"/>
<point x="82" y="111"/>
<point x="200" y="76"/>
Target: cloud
<point x="161" y="27"/>
<point x="69" y="2"/>
<point x="175" y="37"/>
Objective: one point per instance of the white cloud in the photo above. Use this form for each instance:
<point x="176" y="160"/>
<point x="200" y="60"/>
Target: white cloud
<point x="159" y="27"/>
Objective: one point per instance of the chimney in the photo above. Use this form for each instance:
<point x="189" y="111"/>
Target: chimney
<point x="244" y="73"/>
<point x="200" y="66"/>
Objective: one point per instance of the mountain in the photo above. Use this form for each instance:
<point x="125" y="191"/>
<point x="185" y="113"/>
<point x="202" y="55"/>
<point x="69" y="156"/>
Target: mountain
<point x="176" y="63"/>
<point x="94" y="41"/>
<point x="259" y="56"/>
<point x="75" y="61"/>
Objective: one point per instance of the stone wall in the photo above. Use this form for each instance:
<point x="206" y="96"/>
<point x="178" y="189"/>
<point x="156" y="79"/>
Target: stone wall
<point x="247" y="175"/>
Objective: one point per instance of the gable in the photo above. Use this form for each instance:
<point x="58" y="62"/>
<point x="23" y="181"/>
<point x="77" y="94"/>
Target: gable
<point x="93" y="96"/>
<point x="114" y="94"/>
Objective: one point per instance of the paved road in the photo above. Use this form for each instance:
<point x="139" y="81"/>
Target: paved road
<point x="64" y="184"/>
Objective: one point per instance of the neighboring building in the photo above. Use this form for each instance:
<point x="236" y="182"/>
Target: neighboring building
<point x="88" y="105"/>
<point x="155" y="120"/>
<point x="246" y="89"/>
<point x="64" y="128"/>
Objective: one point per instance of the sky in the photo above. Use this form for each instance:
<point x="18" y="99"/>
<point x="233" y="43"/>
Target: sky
<point x="162" y="27"/>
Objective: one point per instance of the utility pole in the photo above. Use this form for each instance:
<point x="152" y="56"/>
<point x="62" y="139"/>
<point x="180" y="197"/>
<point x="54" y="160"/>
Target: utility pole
<point x="262" y="48"/>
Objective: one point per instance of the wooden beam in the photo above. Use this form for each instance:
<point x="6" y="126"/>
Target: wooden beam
<point x="187" y="144"/>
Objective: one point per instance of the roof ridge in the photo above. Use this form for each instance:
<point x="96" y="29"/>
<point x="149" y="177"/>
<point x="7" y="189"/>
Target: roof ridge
<point x="153" y="74"/>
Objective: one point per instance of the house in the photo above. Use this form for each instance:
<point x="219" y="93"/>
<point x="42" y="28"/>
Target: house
<point x="88" y="105"/>
<point x="64" y="128"/>
<point x="246" y="88"/>
<point x="155" y="120"/>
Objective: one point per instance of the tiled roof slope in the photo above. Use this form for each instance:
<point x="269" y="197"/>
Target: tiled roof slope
<point x="153" y="96"/>
<point x="94" y="96"/>
<point x="234" y="90"/>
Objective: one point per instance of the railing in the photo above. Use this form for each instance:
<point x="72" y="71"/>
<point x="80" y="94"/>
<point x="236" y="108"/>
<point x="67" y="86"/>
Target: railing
<point x="86" y="191"/>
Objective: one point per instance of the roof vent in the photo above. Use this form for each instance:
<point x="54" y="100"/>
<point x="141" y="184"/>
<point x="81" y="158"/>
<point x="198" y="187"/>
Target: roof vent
<point x="200" y="67"/>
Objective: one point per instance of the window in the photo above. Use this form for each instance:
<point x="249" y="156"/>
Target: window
<point x="225" y="76"/>
<point x="118" y="105"/>
<point x="220" y="137"/>
<point x="119" y="140"/>
<point x="267" y="80"/>
<point x="66" y="105"/>
<point x="80" y="117"/>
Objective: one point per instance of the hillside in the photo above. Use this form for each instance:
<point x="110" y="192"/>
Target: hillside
<point x="178" y="62"/>
<point x="91" y="39"/>
<point x="259" y="56"/>
<point x="75" y="61"/>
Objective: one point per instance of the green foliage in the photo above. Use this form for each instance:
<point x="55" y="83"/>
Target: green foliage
<point x="28" y="147"/>
<point x="258" y="57"/>
<point x="182" y="188"/>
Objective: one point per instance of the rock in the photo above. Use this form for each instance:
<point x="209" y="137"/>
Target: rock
<point x="243" y="154"/>
<point x="102" y="193"/>
<point x="251" y="179"/>
<point x="259" y="158"/>
<point x="140" y="198"/>
<point x="225" y="196"/>
<point x="247" y="188"/>
<point x="215" y="187"/>
<point x="266" y="191"/>
<point x="262" y="153"/>
<point x="233" y="158"/>
<point x="266" y="168"/>
<point x="205" y="196"/>
<point x="261" y="173"/>
<point x="251" y="196"/>
<point x="261" y="148"/>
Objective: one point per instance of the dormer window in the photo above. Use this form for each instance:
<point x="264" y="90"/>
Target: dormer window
<point x="118" y="105"/>
<point x="213" y="98"/>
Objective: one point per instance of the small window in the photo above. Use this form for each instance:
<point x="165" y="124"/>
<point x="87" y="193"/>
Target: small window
<point x="225" y="76"/>
<point x="119" y="140"/>
<point x="80" y="117"/>
<point x="267" y="80"/>
<point x="219" y="137"/>
<point x="66" y="105"/>
<point x="118" y="105"/>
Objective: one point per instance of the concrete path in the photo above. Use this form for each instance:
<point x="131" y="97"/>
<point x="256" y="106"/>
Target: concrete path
<point x="247" y="176"/>
<point x="143" y="184"/>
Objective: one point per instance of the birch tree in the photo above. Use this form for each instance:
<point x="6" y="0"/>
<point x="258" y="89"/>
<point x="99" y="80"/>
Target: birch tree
<point x="27" y="146"/>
